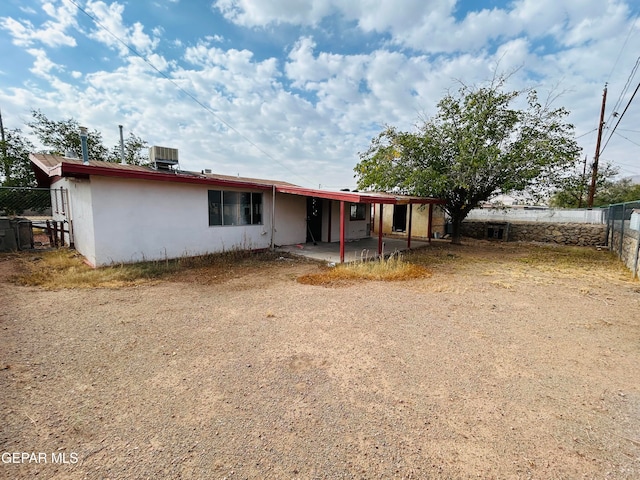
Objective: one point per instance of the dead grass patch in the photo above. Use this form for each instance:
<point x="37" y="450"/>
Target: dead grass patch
<point x="391" y="269"/>
<point x="573" y="261"/>
<point x="64" y="268"/>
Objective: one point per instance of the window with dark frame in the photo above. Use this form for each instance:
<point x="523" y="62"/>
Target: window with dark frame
<point x="227" y="208"/>
<point x="358" y="211"/>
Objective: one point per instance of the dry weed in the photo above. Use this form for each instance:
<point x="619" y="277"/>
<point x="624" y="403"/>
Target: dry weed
<point x="391" y="269"/>
<point x="64" y="268"/>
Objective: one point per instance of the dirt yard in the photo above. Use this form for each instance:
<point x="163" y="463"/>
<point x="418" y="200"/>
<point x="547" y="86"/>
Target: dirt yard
<point x="500" y="365"/>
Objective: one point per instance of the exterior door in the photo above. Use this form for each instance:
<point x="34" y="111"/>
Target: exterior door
<point x="314" y="219"/>
<point x="399" y="218"/>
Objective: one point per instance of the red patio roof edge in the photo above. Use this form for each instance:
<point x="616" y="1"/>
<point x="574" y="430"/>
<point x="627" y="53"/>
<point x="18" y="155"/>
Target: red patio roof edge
<point x="357" y="197"/>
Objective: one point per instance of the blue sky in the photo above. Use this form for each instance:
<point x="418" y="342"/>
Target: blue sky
<point x="294" y="89"/>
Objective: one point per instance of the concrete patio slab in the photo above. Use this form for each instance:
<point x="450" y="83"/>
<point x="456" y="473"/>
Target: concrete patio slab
<point x="353" y="251"/>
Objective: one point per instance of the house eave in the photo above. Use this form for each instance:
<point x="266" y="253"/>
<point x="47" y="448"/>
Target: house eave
<point x="358" y="197"/>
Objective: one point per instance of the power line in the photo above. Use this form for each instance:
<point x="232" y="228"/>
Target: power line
<point x="620" y="118"/>
<point x="585" y="134"/>
<point x="628" y="139"/>
<point x="629" y="78"/>
<point x="622" y="48"/>
<point x="627" y="84"/>
<point x="187" y="93"/>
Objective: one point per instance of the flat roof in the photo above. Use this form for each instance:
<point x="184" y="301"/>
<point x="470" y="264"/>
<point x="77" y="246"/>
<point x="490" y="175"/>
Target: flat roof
<point x="57" y="166"/>
<point x="52" y="166"/>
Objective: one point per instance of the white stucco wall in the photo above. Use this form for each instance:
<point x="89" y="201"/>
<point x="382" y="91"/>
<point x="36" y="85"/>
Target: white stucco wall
<point x="354" y="229"/>
<point x="80" y="213"/>
<point x="136" y="220"/>
<point x="291" y="219"/>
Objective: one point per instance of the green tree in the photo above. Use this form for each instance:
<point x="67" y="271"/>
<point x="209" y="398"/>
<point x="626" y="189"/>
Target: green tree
<point x="63" y="136"/>
<point x="573" y="190"/>
<point x="476" y="145"/>
<point x="16" y="167"/>
<point x="134" y="151"/>
<point x="617" y="192"/>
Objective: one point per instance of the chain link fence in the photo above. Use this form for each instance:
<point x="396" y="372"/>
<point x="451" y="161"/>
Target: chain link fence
<point x="27" y="219"/>
<point x="25" y="202"/>
<point x="623" y="232"/>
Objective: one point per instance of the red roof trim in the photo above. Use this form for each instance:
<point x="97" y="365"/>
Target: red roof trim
<point x="66" y="169"/>
<point x="357" y="197"/>
<point x="77" y="169"/>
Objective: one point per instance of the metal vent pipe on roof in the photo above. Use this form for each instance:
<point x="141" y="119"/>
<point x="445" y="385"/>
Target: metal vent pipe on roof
<point x="121" y="146"/>
<point x="83" y="142"/>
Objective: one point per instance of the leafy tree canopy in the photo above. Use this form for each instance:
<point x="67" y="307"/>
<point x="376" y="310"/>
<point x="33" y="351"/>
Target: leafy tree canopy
<point x="573" y="189"/>
<point x="134" y="151"/>
<point x="16" y="167"/>
<point x="617" y="192"/>
<point x="476" y="145"/>
<point x="63" y="136"/>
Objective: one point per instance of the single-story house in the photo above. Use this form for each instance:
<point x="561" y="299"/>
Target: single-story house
<point x="120" y="213"/>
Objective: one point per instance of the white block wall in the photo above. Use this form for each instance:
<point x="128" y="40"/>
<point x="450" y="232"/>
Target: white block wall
<point x="556" y="215"/>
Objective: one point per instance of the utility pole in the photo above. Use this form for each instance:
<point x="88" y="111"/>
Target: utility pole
<point x="594" y="174"/>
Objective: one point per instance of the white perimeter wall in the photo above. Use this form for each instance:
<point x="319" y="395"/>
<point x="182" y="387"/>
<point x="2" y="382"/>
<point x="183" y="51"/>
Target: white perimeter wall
<point x="557" y="215"/>
<point x="137" y="220"/>
<point x="634" y="224"/>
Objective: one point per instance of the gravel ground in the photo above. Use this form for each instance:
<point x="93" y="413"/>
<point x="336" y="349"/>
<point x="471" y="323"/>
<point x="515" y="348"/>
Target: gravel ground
<point x="491" y="368"/>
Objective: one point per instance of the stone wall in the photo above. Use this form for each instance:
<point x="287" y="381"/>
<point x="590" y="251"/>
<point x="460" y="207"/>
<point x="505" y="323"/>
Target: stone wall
<point x="582" y="234"/>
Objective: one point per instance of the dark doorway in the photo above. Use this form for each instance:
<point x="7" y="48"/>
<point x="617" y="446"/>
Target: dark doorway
<point x="399" y="218"/>
<point x="314" y="219"/>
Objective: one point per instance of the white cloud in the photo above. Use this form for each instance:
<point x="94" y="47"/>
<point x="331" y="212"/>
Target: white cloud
<point x="258" y="13"/>
<point x="430" y="25"/>
<point x="51" y="33"/>
<point x="115" y="34"/>
<point x="314" y="109"/>
<point x="42" y="65"/>
<point x="214" y="38"/>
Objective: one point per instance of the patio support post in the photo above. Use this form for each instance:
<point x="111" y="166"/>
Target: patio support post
<point x="429" y="230"/>
<point x="330" y="216"/>
<point x="373" y="219"/>
<point x="341" y="231"/>
<point x="380" y="230"/>
<point x="409" y="229"/>
<point x="273" y="216"/>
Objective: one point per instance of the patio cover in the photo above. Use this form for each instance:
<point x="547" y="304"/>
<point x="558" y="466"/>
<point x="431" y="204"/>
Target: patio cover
<point x="368" y="198"/>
